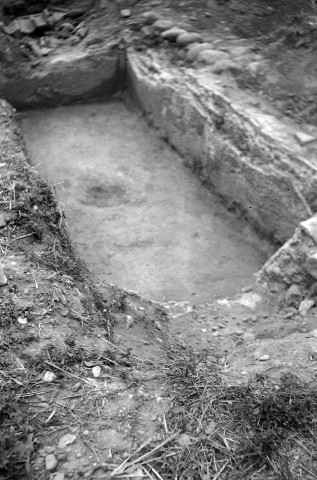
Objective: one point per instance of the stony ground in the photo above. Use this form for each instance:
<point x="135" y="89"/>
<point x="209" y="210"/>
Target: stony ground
<point x="106" y="384"/>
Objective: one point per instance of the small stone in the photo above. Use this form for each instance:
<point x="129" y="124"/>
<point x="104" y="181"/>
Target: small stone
<point x="304" y="139"/>
<point x="51" y="462"/>
<point x="238" y="51"/>
<point x="188" y="37"/>
<point x="151" y="17"/>
<point x="248" y="337"/>
<point x="96" y="371"/>
<point x="264" y="358"/>
<point x="22" y="320"/>
<point x="195" y="49"/>
<point x="125" y="13"/>
<point x="313" y="333"/>
<point x="158" y="325"/>
<point x="66" y="439"/>
<point x="79" y="455"/>
<point x="64" y="312"/>
<point x="294" y="294"/>
<point x="258" y="68"/>
<point x="86" y="432"/>
<point x="159" y="340"/>
<point x="130" y="321"/>
<point x="212" y="56"/>
<point x="172" y="33"/>
<point x="3" y="278"/>
<point x="49" y="376"/>
<point x="305" y="306"/>
<point x="162" y="25"/>
<point x="310" y="227"/>
<point x="223" y="65"/>
<point x="49" y="449"/>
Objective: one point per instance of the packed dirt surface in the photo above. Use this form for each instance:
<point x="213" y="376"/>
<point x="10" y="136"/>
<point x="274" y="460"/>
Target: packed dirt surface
<point x="139" y="218"/>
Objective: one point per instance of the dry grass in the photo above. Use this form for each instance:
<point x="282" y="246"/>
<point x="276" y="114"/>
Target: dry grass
<point x="255" y="431"/>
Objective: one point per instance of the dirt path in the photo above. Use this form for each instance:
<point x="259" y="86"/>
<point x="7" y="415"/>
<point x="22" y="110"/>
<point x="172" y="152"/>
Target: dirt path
<point x="138" y="216"/>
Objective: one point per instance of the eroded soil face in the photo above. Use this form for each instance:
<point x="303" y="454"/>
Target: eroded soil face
<point x="138" y="217"/>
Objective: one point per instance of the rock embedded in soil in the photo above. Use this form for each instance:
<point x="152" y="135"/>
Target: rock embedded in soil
<point x="212" y="56"/>
<point x="310" y="227"/>
<point x="151" y="17"/>
<point x="195" y="49"/>
<point x="186" y="38"/>
<point x="51" y="462"/>
<point x="264" y="358"/>
<point x="66" y="439"/>
<point x="162" y="25"/>
<point x="311" y="264"/>
<point x="294" y="294"/>
<point x="305" y="306"/>
<point x="304" y="139"/>
<point x="125" y="13"/>
<point x="223" y="65"/>
<point x="49" y="376"/>
<point x="249" y="337"/>
<point x="172" y="33"/>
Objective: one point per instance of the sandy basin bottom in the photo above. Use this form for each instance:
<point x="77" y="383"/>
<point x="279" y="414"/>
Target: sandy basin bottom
<point x="140" y="219"/>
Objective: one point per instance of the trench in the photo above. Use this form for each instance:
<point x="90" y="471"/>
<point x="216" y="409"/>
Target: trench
<point x="138" y="216"/>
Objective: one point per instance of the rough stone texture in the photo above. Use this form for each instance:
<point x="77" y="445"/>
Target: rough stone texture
<point x="211" y="56"/>
<point x="150" y="17"/>
<point x="223" y="65"/>
<point x="188" y="37"/>
<point x="162" y="25"/>
<point x="294" y="265"/>
<point x="243" y="154"/>
<point x="195" y="49"/>
<point x="66" y="78"/>
<point x="172" y="33"/>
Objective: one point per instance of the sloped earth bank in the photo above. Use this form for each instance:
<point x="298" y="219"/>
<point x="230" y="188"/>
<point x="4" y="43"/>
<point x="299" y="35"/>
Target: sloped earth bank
<point x="98" y="384"/>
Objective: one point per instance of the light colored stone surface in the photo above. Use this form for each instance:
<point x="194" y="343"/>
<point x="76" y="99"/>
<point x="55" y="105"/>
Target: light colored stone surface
<point x="3" y="278"/>
<point x="311" y="263"/>
<point x="310" y="227"/>
<point x="223" y="65"/>
<point x="211" y="56"/>
<point x="162" y="25"/>
<point x="172" y="33"/>
<point x="304" y="138"/>
<point x="194" y="50"/>
<point x="151" y="17"/>
<point x="51" y="462"/>
<point x="188" y="37"/>
<point x="66" y="439"/>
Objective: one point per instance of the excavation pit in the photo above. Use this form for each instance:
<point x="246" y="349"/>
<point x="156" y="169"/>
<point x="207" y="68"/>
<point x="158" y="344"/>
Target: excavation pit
<point x="138" y="216"/>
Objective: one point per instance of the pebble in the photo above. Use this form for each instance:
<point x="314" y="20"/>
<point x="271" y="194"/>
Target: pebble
<point x="150" y="17"/>
<point x="158" y="325"/>
<point x="49" y="376"/>
<point x="130" y="321"/>
<point x="313" y="333"/>
<point x="304" y="139"/>
<point x="96" y="371"/>
<point x="195" y="49"/>
<point x="22" y="320"/>
<point x="305" y="306"/>
<point x="86" y="432"/>
<point x="172" y="33"/>
<point x="162" y="25"/>
<point x="186" y="38"/>
<point x="66" y="439"/>
<point x="264" y="358"/>
<point x="3" y="278"/>
<point x="77" y="387"/>
<point x="51" y="462"/>
<point x="212" y="56"/>
<point x="125" y="13"/>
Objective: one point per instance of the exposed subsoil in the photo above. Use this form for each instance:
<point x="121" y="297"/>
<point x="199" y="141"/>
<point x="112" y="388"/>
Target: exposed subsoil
<point x="60" y="416"/>
<point x="139" y="218"/>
